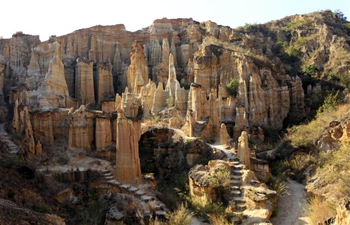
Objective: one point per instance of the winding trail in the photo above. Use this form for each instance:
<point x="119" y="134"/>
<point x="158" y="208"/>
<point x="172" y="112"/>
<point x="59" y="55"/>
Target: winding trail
<point x="291" y="206"/>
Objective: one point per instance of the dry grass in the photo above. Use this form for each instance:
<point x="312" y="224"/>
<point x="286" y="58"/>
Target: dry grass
<point x="319" y="210"/>
<point x="181" y="216"/>
<point x="219" y="219"/>
<point x="306" y="134"/>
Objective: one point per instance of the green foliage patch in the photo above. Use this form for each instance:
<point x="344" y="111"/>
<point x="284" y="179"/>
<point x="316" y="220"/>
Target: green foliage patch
<point x="232" y="87"/>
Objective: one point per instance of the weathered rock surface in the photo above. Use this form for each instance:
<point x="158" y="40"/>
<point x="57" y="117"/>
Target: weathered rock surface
<point x="84" y="82"/>
<point x="243" y="151"/>
<point x="128" y="169"/>
<point x="137" y="75"/>
<point x="152" y="69"/>
<point x="103" y="80"/>
<point x="201" y="180"/>
<point x="174" y="50"/>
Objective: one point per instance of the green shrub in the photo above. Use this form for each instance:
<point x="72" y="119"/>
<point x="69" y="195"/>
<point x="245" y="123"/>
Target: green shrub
<point x="220" y="178"/>
<point x="232" y="87"/>
<point x="186" y="86"/>
<point x="330" y="103"/>
<point x="42" y="208"/>
<point x="311" y="70"/>
<point x="337" y="14"/>
<point x="170" y="101"/>
<point x="345" y="80"/>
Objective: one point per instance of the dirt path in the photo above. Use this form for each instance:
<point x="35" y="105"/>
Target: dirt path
<point x="291" y="206"/>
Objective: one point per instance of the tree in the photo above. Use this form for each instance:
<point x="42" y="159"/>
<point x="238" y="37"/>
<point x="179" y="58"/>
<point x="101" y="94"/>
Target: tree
<point x="339" y="15"/>
<point x="232" y="87"/>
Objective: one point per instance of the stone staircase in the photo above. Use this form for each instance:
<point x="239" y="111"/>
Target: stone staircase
<point x="150" y="204"/>
<point x="5" y="138"/>
<point x="235" y="185"/>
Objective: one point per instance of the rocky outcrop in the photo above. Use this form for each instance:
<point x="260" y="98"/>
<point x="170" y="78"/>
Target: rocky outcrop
<point x="343" y="214"/>
<point x="224" y="136"/>
<point x="159" y="100"/>
<point x="243" y="151"/>
<point x="84" y="82"/>
<point x="103" y="80"/>
<point x="335" y="135"/>
<point x="202" y="180"/>
<point x="45" y="78"/>
<point x="81" y="133"/>
<point x="3" y="108"/>
<point x="98" y="58"/>
<point x="128" y="134"/>
<point x="103" y="132"/>
<point x="147" y="96"/>
<point x="137" y="75"/>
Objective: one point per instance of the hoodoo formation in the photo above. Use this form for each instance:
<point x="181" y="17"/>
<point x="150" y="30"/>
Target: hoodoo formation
<point x="108" y="121"/>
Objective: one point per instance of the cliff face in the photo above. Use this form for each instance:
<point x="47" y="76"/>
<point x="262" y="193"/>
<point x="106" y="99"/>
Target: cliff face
<point x="175" y="72"/>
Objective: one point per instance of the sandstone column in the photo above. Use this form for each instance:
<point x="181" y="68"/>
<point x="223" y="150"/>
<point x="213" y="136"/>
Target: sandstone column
<point x="103" y="133"/>
<point x="243" y="151"/>
<point x="128" y="169"/>
<point x="224" y="136"/>
<point x="137" y="75"/>
<point x="103" y="81"/>
<point x="84" y="82"/>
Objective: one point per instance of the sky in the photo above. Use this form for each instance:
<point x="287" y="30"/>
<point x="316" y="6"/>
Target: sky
<point x="46" y="18"/>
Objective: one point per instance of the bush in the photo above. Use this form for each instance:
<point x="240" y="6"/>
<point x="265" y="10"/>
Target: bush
<point x="220" y="177"/>
<point x="337" y="14"/>
<point x="311" y="70"/>
<point x="42" y="208"/>
<point x="219" y="219"/>
<point x="186" y="86"/>
<point x="345" y="80"/>
<point x="330" y="103"/>
<point x="180" y="216"/>
<point x="232" y="87"/>
<point x="170" y="101"/>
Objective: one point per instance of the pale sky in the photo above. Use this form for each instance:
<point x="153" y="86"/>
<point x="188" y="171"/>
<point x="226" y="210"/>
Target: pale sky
<point x="45" y="18"/>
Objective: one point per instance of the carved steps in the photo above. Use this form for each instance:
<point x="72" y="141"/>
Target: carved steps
<point x="236" y="193"/>
<point x="12" y="147"/>
<point x="152" y="207"/>
<point x="241" y="206"/>
<point x="235" y="185"/>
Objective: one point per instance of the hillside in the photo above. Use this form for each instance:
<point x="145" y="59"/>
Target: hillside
<point x="135" y="123"/>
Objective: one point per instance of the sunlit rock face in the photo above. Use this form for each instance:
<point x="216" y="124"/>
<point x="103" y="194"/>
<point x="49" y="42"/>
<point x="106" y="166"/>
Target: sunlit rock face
<point x="175" y="71"/>
<point x="128" y="132"/>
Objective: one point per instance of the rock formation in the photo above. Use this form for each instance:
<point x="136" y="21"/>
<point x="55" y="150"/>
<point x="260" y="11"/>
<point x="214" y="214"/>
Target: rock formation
<point x="173" y="74"/>
<point x="81" y="133"/>
<point x="138" y="69"/>
<point x="84" y="82"/>
<point x="224" y="136"/>
<point x="128" y="134"/>
<point x="103" y="132"/>
<point x="243" y="151"/>
<point x="103" y="80"/>
<point x="201" y="180"/>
